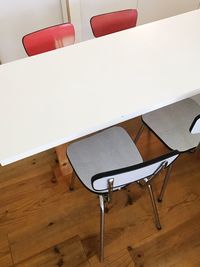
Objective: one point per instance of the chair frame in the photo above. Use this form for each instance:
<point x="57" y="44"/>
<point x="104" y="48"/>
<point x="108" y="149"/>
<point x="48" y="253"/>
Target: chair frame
<point x="194" y="129"/>
<point x="146" y="181"/>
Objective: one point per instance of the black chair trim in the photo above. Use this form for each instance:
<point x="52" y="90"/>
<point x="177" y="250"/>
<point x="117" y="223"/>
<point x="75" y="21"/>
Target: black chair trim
<point x="133" y="167"/>
<point x="194" y="122"/>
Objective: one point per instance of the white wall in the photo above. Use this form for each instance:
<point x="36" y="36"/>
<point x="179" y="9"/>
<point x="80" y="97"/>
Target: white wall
<point x="19" y="17"/>
<point x="148" y="11"/>
<point x="151" y="10"/>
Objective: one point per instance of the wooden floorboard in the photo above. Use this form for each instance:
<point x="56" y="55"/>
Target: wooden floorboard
<point x="120" y="259"/>
<point x="5" y="253"/>
<point x="182" y="242"/>
<point x="69" y="253"/>
<point x="37" y="215"/>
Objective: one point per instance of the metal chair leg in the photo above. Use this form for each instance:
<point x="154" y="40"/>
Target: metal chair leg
<point x="155" y="211"/>
<point x="101" y="203"/>
<point x="72" y="180"/>
<point x="165" y="182"/>
<point x="139" y="134"/>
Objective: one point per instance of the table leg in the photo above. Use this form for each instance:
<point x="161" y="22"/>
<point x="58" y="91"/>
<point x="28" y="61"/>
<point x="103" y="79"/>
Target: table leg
<point x="64" y="168"/>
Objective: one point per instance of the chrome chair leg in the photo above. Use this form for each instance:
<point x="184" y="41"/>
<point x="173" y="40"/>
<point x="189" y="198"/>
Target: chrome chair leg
<point x="165" y="182"/>
<point x="101" y="203"/>
<point x="155" y="211"/>
<point x="139" y="134"/>
<point x="72" y="180"/>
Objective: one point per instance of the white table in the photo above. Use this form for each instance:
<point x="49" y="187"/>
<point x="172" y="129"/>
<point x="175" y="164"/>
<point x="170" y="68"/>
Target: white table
<point x="95" y="84"/>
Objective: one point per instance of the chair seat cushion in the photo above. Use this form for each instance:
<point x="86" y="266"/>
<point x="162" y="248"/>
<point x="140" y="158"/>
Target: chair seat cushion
<point x="105" y="151"/>
<point x="196" y="98"/>
<point x="172" y="123"/>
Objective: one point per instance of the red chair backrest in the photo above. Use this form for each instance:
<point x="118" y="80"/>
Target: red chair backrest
<point x="113" y="22"/>
<point x="49" y="39"/>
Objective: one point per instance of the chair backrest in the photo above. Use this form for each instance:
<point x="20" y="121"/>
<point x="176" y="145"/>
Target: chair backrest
<point x="195" y="126"/>
<point x="113" y="22"/>
<point x="134" y="173"/>
<point x="49" y="39"/>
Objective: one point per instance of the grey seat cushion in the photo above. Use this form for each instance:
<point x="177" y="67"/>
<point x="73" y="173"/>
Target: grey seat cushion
<point x="105" y="151"/>
<point x="172" y="123"/>
<point x="196" y="98"/>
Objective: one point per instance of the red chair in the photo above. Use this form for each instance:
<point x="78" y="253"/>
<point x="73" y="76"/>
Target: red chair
<point x="49" y="39"/>
<point x="113" y="22"/>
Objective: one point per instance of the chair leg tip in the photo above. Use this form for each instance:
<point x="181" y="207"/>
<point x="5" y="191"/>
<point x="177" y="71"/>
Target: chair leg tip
<point x="159" y="228"/>
<point x="71" y="188"/>
<point x="159" y="200"/>
<point x="53" y="180"/>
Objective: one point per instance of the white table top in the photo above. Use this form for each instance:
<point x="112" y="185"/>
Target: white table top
<point x="61" y="95"/>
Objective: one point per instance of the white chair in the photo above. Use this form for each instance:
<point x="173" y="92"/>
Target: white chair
<point x="109" y="160"/>
<point x="177" y="126"/>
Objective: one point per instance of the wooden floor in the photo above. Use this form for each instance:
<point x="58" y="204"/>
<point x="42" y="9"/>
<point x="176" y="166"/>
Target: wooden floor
<point x="43" y="224"/>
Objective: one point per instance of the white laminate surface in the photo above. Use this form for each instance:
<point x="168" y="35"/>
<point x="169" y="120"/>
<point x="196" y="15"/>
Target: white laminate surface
<point x="59" y="96"/>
